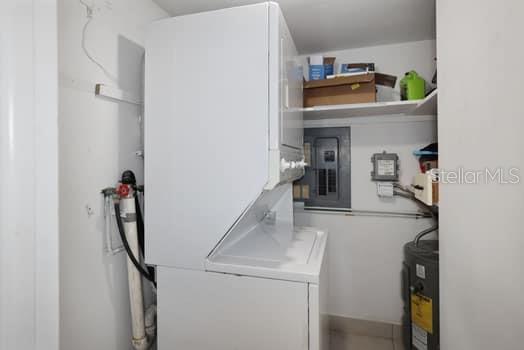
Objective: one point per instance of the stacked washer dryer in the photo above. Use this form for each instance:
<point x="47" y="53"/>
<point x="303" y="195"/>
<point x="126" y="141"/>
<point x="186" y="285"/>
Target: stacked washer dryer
<point x="223" y="143"/>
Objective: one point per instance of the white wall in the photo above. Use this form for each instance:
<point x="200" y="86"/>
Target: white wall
<point x="480" y="125"/>
<point x="29" y="308"/>
<point x="365" y="253"/>
<point x="395" y="59"/>
<point x="98" y="138"/>
<point x="29" y="276"/>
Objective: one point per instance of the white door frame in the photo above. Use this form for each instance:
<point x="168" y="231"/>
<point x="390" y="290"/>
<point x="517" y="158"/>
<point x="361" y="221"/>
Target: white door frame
<point x="29" y="273"/>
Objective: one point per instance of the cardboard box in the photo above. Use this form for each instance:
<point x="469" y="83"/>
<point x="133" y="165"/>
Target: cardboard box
<point x="365" y="67"/>
<point x="435" y="189"/>
<point x="340" y="90"/>
<point x="320" y="67"/>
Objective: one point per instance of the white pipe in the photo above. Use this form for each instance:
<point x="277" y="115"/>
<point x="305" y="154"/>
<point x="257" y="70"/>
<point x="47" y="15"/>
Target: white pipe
<point x="128" y="213"/>
<point x="109" y="224"/>
<point x="107" y="215"/>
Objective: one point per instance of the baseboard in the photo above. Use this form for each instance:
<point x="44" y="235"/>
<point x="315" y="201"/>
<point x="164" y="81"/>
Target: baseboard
<point x="363" y="327"/>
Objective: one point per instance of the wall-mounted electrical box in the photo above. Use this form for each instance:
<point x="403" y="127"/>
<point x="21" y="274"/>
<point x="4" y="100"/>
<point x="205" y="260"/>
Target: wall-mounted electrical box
<point x="385" y="167"/>
<point x="327" y="181"/>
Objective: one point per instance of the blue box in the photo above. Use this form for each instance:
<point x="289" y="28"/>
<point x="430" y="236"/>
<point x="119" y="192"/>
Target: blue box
<point x="329" y="69"/>
<point x="329" y="66"/>
<point x="320" y="67"/>
<point x="316" y="67"/>
<point x="317" y="72"/>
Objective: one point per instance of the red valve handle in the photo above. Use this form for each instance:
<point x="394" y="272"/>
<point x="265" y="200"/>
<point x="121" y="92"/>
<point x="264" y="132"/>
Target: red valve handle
<point x="123" y="190"/>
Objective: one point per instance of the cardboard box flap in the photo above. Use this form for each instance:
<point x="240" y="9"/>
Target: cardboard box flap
<point x="362" y="78"/>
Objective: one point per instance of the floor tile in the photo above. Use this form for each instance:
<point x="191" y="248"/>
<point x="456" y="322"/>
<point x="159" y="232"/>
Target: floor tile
<point x="397" y="332"/>
<point x="341" y="341"/>
<point x="398" y="345"/>
<point x="361" y="327"/>
<point x="336" y="341"/>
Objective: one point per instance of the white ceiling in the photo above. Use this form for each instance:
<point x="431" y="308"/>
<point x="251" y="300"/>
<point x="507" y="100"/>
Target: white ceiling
<point x="326" y="25"/>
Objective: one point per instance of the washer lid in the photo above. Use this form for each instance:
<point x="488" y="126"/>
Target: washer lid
<point x="264" y="242"/>
<point x="260" y="254"/>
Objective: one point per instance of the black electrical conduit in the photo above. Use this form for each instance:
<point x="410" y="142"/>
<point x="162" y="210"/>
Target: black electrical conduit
<point x="130" y="254"/>
<point x="141" y="234"/>
<point x="424" y="233"/>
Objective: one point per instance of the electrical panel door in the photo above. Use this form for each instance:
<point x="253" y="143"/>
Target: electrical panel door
<point x="327" y="181"/>
<point x="326" y="167"/>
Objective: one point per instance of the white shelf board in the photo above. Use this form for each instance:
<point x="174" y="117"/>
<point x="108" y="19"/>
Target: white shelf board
<point x="427" y="106"/>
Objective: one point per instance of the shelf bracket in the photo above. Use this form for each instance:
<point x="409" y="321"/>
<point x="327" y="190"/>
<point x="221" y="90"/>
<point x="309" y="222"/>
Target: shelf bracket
<point x="117" y="94"/>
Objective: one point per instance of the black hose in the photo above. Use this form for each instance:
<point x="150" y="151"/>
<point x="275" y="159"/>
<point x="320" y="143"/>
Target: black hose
<point x="139" y="224"/>
<point x="141" y="234"/>
<point x="130" y="254"/>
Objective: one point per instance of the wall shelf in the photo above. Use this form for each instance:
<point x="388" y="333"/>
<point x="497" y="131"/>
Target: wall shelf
<point x="427" y="106"/>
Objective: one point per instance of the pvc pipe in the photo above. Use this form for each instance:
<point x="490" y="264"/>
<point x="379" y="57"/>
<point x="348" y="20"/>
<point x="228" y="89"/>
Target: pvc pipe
<point x="128" y="213"/>
<point x="107" y="216"/>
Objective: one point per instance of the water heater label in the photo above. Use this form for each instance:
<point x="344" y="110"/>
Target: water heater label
<point x="421" y="271"/>
<point x="419" y="338"/>
<point x="422" y="312"/>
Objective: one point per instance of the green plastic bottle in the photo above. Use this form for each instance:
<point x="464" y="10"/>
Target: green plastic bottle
<point x="412" y="87"/>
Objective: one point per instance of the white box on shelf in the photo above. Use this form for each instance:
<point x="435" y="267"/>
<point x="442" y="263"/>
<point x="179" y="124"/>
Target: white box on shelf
<point x="423" y="188"/>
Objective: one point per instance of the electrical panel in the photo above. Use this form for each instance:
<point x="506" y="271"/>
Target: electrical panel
<point x="327" y="181"/>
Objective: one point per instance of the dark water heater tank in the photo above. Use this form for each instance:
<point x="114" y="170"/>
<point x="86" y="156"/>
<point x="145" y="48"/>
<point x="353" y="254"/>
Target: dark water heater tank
<point x="420" y="293"/>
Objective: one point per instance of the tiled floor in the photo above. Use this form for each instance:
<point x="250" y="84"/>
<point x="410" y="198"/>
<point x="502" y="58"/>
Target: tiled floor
<point x="344" y="341"/>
